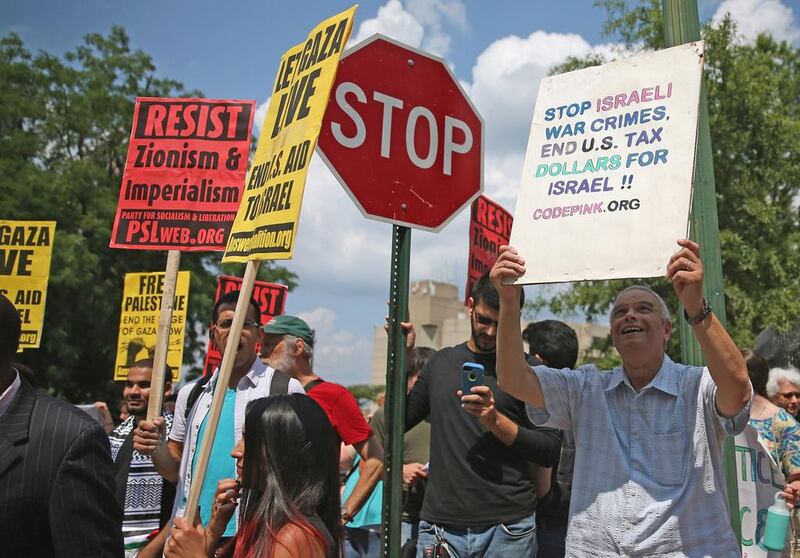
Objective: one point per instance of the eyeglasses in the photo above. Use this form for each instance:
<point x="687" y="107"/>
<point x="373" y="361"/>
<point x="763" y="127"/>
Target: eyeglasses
<point x="226" y="324"/>
<point x="790" y="395"/>
<point x="483" y="320"/>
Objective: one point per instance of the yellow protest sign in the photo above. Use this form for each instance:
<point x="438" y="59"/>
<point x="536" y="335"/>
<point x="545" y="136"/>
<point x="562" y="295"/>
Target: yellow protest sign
<point x="138" y="322"/>
<point x="266" y="223"/>
<point x="26" y="248"/>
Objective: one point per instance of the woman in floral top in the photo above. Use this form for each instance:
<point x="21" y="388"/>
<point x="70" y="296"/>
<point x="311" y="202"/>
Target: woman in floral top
<point x="779" y="432"/>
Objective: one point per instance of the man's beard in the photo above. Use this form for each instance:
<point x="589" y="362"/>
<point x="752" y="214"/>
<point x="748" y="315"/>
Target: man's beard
<point x="482" y="343"/>
<point x="285" y="363"/>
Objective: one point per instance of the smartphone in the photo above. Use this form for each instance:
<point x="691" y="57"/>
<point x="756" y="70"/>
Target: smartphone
<point x="471" y="376"/>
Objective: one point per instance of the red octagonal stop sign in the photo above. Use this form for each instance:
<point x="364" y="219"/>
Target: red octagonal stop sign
<point x="401" y="135"/>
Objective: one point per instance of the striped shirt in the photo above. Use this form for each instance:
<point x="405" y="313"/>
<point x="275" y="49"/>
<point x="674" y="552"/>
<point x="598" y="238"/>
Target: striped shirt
<point x="142" y="511"/>
<point x="648" y="477"/>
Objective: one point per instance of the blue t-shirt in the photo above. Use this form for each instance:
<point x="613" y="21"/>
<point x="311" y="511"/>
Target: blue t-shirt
<point x="220" y="464"/>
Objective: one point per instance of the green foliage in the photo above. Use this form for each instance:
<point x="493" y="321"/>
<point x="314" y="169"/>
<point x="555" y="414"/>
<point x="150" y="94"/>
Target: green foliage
<point x="64" y="132"/>
<point x="754" y="116"/>
<point x="366" y="391"/>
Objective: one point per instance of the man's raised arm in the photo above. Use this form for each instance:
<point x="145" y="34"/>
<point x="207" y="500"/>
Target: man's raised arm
<point x="514" y="374"/>
<point x="725" y="362"/>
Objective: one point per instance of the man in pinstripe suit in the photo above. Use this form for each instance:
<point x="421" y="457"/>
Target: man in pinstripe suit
<point x="57" y="495"/>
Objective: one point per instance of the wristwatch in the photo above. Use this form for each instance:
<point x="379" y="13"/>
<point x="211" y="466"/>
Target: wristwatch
<point x="704" y="313"/>
<point x="345" y="514"/>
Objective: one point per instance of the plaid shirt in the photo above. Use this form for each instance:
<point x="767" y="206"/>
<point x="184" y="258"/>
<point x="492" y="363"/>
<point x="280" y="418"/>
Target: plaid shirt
<point x="648" y="477"/>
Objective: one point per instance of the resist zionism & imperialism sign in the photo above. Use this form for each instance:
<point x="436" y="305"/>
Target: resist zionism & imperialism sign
<point x="606" y="186"/>
<point x="489" y="228"/>
<point x="184" y="174"/>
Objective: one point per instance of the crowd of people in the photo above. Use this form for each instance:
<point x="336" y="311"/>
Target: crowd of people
<point x="539" y="459"/>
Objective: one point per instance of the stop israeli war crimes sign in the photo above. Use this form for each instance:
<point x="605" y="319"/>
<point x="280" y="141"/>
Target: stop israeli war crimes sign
<point x="184" y="174"/>
<point x="606" y="187"/>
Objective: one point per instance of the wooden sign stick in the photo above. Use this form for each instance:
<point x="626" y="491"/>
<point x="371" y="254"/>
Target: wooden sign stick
<point x="162" y="335"/>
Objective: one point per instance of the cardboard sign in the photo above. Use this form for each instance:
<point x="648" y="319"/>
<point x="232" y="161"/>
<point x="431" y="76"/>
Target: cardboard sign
<point x="607" y="183"/>
<point x="271" y="299"/>
<point x="138" y="322"/>
<point x="489" y="228"/>
<point x="759" y="478"/>
<point x="266" y="224"/>
<point x="26" y="248"/>
<point x="184" y="174"/>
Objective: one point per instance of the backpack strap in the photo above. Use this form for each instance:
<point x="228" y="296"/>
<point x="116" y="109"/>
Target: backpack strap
<point x="312" y="384"/>
<point x="194" y="395"/>
<point x="279" y="384"/>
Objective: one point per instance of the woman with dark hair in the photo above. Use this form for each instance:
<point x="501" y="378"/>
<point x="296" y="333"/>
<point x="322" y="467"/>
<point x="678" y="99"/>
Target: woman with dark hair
<point x="776" y="428"/>
<point x="289" y="488"/>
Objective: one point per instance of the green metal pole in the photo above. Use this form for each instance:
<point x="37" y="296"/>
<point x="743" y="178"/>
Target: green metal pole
<point x="682" y="25"/>
<point x="395" y="405"/>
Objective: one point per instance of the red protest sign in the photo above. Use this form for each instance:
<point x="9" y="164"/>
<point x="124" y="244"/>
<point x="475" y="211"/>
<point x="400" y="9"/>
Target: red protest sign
<point x="489" y="228"/>
<point x="184" y="176"/>
<point x="271" y="299"/>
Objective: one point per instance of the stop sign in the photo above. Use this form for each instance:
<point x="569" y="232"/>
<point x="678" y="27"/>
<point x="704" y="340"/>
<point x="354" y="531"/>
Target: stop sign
<point x="401" y="135"/>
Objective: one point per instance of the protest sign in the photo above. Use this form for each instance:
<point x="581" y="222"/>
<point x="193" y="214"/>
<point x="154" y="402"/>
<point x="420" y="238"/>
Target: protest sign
<point x="271" y="299"/>
<point x="759" y="478"/>
<point x="607" y="181"/>
<point x="184" y="174"/>
<point x="138" y="322"/>
<point x="26" y="248"/>
<point x="266" y="224"/>
<point x="489" y="228"/>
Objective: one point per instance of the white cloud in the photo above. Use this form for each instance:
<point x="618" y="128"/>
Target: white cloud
<point x="393" y="21"/>
<point x="505" y="82"/>
<point x="420" y="23"/>
<point x="261" y="114"/>
<point x="339" y="354"/>
<point x="761" y="16"/>
<point x="319" y="318"/>
<point x="433" y="15"/>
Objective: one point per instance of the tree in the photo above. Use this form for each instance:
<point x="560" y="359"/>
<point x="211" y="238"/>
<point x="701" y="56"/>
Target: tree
<point x="754" y="115"/>
<point x="64" y="132"/>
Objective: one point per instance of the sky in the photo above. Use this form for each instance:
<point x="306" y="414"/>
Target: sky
<point x="498" y="50"/>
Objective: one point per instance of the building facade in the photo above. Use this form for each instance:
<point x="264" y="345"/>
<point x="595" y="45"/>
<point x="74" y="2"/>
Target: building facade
<point x="440" y="320"/>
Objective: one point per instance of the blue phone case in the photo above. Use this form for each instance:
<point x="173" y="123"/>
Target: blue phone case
<point x="471" y="376"/>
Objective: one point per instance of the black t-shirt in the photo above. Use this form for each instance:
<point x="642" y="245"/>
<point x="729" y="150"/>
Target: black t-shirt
<point x="475" y="479"/>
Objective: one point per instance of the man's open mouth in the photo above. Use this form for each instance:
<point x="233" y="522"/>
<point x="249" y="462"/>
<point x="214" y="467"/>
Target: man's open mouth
<point x="631" y="329"/>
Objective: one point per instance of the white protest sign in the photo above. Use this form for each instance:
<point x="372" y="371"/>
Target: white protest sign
<point x="607" y="183"/>
<point x="759" y="478"/>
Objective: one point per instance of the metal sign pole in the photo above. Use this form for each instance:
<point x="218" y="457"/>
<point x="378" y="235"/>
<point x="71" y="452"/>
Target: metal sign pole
<point x="682" y="25"/>
<point x="394" y="407"/>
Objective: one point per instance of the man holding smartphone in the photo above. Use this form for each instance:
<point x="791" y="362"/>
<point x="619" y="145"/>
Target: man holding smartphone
<point x="480" y="499"/>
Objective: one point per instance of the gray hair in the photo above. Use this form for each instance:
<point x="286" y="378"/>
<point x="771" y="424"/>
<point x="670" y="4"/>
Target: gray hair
<point x="665" y="315"/>
<point x="790" y="374"/>
<point x="308" y="350"/>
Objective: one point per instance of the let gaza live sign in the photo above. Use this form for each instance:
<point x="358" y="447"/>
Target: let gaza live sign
<point x="401" y="135"/>
<point x="184" y="174"/>
<point x="26" y="248"/>
<point x="266" y="224"/>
